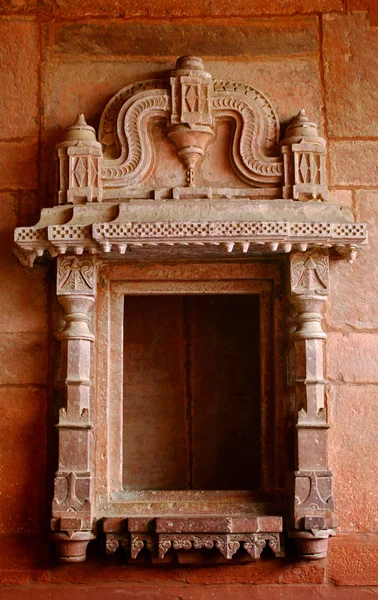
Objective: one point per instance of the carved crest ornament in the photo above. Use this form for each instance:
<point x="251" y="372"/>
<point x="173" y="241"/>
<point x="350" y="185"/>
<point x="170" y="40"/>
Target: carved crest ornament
<point x="261" y="199"/>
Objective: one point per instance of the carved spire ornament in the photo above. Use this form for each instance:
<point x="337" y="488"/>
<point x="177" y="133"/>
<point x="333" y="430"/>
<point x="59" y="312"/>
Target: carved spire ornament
<point x="188" y="168"/>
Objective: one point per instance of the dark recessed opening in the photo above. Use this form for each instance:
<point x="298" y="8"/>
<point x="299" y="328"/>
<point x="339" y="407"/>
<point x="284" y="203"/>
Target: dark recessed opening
<point x="191" y="392"/>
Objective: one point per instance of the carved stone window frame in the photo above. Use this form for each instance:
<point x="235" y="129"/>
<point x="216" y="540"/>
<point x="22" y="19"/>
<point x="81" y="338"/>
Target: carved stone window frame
<point x="108" y="222"/>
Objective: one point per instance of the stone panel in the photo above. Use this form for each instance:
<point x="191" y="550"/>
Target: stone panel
<point x="354" y="163"/>
<point x="18" y="78"/>
<point x="353" y="560"/>
<point x="273" y="37"/>
<point x="18" y="165"/>
<point x="352" y="357"/>
<point x="177" y="8"/>
<point x="23" y="358"/>
<point x="353" y="419"/>
<point x="22" y="469"/>
<point x="353" y="303"/>
<point x="351" y="73"/>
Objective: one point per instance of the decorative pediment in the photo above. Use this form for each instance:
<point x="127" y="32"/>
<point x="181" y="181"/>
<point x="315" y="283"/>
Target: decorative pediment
<point x="109" y="199"/>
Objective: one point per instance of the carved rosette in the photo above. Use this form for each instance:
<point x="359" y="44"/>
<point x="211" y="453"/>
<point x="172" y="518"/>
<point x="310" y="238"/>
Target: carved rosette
<point x="72" y="504"/>
<point x="312" y="509"/>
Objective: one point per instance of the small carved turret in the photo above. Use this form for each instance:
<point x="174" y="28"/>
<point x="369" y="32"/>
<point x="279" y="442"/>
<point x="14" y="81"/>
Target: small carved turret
<point x="79" y="164"/>
<point x="304" y="155"/>
<point x="190" y="122"/>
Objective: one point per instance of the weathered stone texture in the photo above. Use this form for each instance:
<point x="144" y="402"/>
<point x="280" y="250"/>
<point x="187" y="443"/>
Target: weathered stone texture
<point x="273" y="37"/>
<point x="23" y="358"/>
<point x="350" y="49"/>
<point x="19" y="78"/>
<point x="76" y="86"/>
<point x="22" y="470"/>
<point x="18" y="5"/>
<point x="352" y="357"/>
<point x="18" y="165"/>
<point x="353" y="561"/>
<point x="177" y="8"/>
<point x="174" y="591"/>
<point x="370" y="5"/>
<point x="354" y="163"/>
<point x="361" y="308"/>
<point x="19" y="312"/>
<point x="353" y="455"/>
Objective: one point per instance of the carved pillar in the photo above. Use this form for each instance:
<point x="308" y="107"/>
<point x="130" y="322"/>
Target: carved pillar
<point x="79" y="157"/>
<point x="312" y="512"/>
<point x="72" y="504"/>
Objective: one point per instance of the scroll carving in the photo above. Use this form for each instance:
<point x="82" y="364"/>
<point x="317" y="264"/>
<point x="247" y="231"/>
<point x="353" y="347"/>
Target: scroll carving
<point x="190" y="103"/>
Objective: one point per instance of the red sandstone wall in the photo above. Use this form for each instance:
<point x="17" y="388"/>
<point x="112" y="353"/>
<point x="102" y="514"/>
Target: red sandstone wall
<point x="64" y="56"/>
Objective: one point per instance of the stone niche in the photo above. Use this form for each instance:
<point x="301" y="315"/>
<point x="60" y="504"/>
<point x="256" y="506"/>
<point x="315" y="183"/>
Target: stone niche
<point x="192" y="249"/>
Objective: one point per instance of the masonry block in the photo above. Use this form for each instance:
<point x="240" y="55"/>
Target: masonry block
<point x="352" y="357"/>
<point x="353" y="454"/>
<point x="23" y="451"/>
<point x="19" y="54"/>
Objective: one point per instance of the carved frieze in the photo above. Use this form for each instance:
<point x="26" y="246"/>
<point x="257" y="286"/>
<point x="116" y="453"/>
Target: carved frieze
<point x="194" y="533"/>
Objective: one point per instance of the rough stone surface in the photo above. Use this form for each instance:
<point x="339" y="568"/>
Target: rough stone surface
<point x="18" y="168"/>
<point x="19" y="79"/>
<point x="23" y="358"/>
<point x="352" y="357"/>
<point x="22" y="479"/>
<point x="176" y="8"/>
<point x="19" y="312"/>
<point x="346" y="159"/>
<point x="353" y="560"/>
<point x="272" y="37"/>
<point x="361" y="310"/>
<point x="353" y="455"/>
<point x="71" y="87"/>
<point x="350" y="48"/>
<point x="369" y="5"/>
<point x="186" y="592"/>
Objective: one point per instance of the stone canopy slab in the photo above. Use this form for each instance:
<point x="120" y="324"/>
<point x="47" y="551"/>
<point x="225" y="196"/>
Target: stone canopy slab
<point x="254" y="227"/>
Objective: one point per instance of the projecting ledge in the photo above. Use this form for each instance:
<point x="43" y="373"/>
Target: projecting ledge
<point x="202" y="226"/>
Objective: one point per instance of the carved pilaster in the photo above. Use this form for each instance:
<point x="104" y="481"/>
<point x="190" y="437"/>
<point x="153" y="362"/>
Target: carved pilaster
<point x="313" y="518"/>
<point x="72" y="504"/>
<point x="79" y="157"/>
<point x="304" y="155"/>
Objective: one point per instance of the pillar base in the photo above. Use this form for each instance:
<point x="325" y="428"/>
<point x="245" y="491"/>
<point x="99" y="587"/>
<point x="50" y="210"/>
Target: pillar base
<point x="72" y="547"/>
<point x="310" y="546"/>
